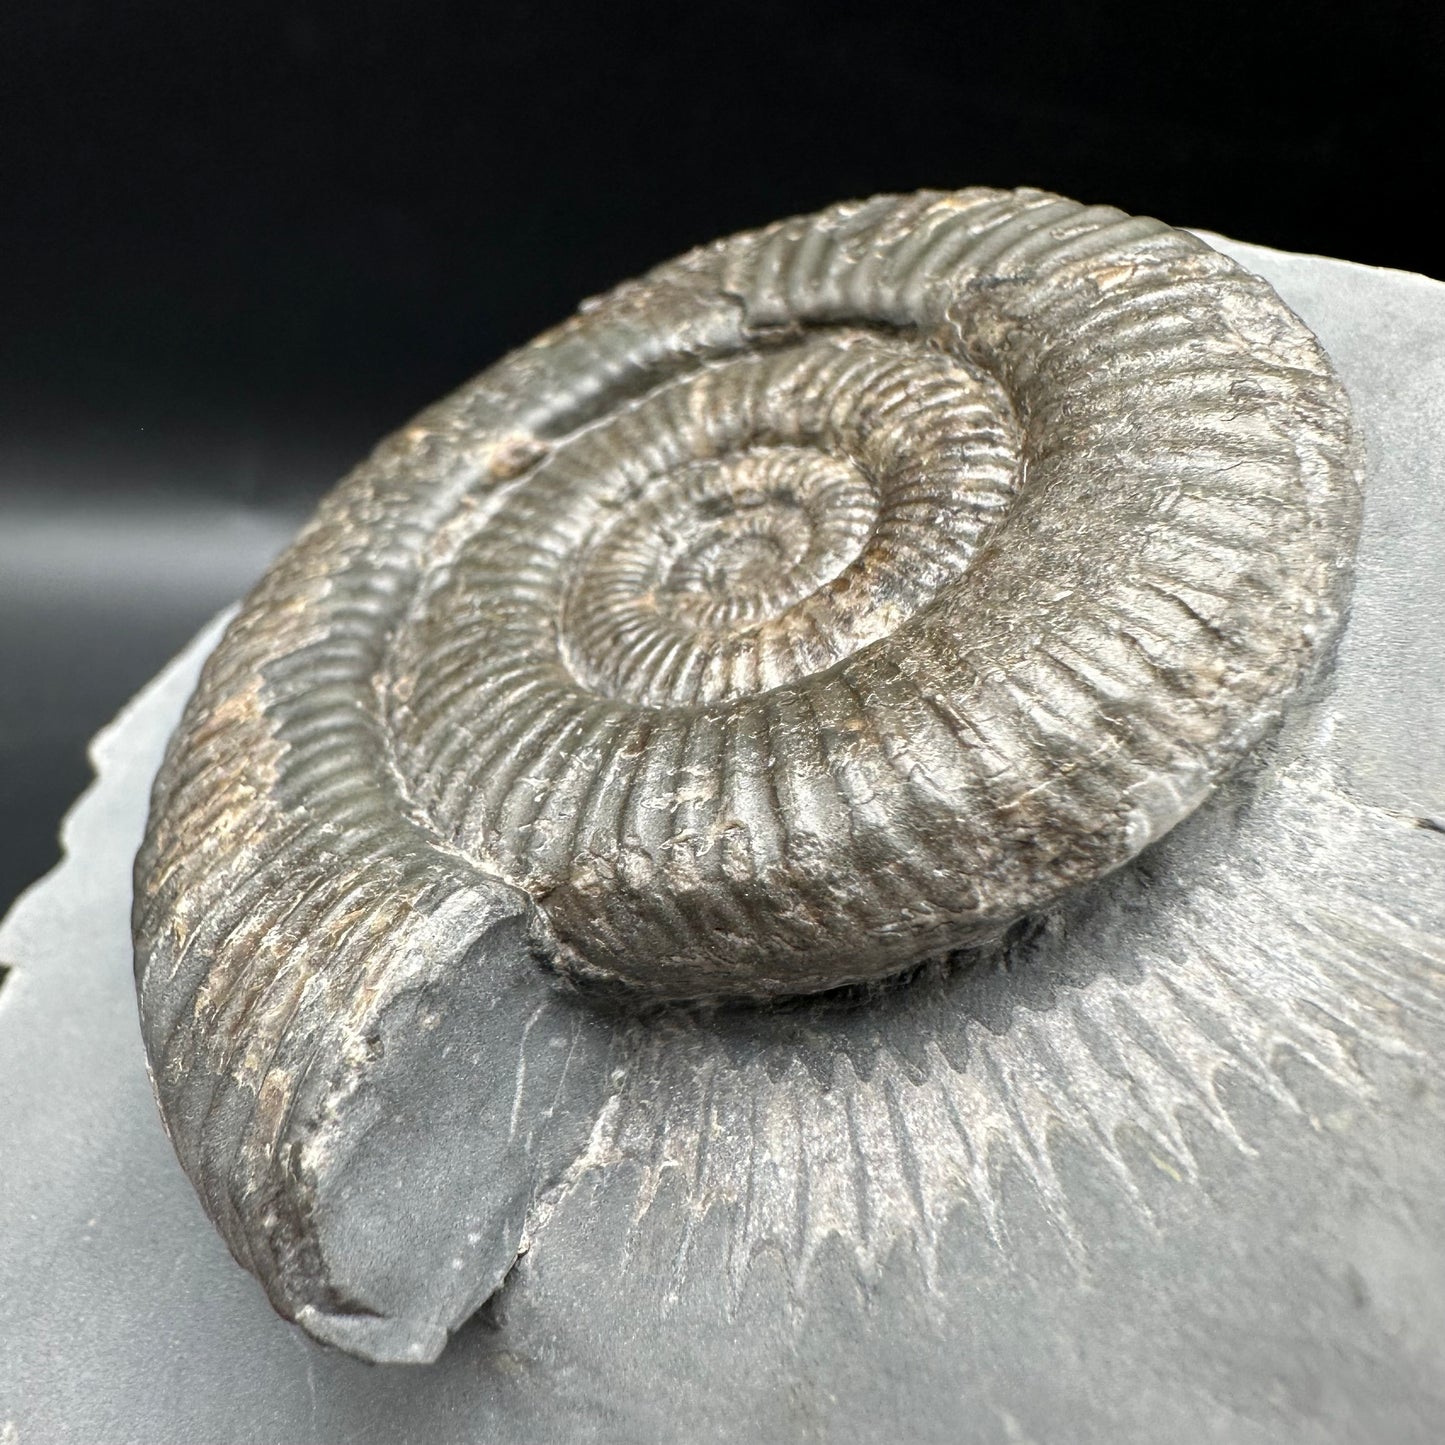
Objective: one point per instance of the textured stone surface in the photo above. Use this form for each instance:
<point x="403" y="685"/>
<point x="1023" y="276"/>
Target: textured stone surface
<point x="1169" y="1166"/>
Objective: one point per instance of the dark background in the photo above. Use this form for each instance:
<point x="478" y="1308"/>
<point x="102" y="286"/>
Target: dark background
<point x="240" y="242"/>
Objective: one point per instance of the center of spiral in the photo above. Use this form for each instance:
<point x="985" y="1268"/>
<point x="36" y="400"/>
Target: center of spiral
<point x="708" y="556"/>
<point x="741" y="539"/>
<point x="745" y="525"/>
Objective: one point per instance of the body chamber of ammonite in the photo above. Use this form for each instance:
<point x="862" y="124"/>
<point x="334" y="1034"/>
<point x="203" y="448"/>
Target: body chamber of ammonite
<point x="817" y="605"/>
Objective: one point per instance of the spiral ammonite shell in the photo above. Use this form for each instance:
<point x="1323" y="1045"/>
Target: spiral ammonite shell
<point x="817" y="604"/>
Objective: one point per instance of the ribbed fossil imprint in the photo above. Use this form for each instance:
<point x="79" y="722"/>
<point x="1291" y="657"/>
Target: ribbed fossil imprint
<point x="819" y="604"/>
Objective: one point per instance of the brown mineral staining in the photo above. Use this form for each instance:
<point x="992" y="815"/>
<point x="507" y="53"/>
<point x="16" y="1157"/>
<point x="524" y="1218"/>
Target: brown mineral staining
<point x="512" y="455"/>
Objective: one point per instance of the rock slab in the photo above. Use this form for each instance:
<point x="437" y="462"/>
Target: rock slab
<point x="1170" y="1165"/>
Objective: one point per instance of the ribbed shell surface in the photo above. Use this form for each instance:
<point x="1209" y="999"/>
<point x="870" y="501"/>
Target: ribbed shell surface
<point x="817" y="604"/>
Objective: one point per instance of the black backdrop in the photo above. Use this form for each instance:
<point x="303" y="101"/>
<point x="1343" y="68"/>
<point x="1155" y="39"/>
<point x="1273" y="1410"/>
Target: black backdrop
<point x="239" y="242"/>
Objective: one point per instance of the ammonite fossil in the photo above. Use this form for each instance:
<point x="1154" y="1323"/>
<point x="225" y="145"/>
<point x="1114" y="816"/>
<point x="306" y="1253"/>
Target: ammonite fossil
<point x="817" y="605"/>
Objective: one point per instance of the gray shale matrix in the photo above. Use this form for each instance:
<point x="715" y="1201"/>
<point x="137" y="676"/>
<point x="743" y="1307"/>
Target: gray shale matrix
<point x="1164" y="1164"/>
<point x="825" y="602"/>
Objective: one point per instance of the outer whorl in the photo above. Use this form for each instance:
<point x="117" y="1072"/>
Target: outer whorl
<point x="815" y="605"/>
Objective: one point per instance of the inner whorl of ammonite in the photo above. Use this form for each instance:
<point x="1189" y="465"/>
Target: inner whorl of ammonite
<point x="615" y="636"/>
<point x="800" y="504"/>
<point x="702" y="590"/>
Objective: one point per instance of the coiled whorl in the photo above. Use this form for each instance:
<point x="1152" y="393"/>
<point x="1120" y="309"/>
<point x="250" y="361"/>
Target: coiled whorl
<point x="819" y="603"/>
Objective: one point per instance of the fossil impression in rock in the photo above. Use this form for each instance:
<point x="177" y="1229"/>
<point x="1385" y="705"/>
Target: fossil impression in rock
<point x="817" y="605"/>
